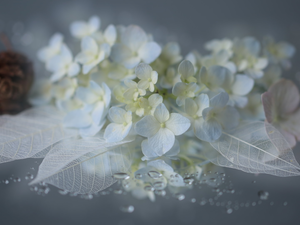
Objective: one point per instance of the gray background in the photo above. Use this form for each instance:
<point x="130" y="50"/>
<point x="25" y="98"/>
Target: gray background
<point x="191" y="23"/>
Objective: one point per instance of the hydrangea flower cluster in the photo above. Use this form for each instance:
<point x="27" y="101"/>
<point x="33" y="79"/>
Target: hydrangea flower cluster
<point x="122" y="84"/>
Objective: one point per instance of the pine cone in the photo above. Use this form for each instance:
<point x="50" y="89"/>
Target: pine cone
<point x="16" y="76"/>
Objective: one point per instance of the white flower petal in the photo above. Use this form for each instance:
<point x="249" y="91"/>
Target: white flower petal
<point x="229" y="117"/>
<point x="147" y="126"/>
<point x="57" y="76"/>
<point x="73" y="70"/>
<point x="107" y="94"/>
<point x="186" y="69"/>
<point x="116" y="132"/>
<point x="161" y="113"/>
<point x="85" y="95"/>
<point x="178" y="124"/>
<point x="144" y="84"/>
<point x="78" y="29"/>
<point x="91" y="130"/>
<point x="149" y="52"/>
<point x="77" y="119"/>
<point x="143" y="71"/>
<point x="242" y="85"/>
<point x="116" y="115"/>
<point x="120" y="53"/>
<point x="155" y="100"/>
<point x="174" y="151"/>
<point x="149" y="152"/>
<point x="207" y="130"/>
<point x="98" y="113"/>
<point x="131" y="62"/>
<point x="88" y="44"/>
<point x="190" y="107"/>
<point x="220" y="100"/>
<point x="94" y="24"/>
<point x="110" y="34"/>
<point x="160" y="164"/>
<point x="238" y="101"/>
<point x="203" y="102"/>
<point x="133" y="37"/>
<point x="162" y="141"/>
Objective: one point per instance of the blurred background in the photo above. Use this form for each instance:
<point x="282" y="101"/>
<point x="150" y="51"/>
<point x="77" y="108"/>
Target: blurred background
<point x="30" y="23"/>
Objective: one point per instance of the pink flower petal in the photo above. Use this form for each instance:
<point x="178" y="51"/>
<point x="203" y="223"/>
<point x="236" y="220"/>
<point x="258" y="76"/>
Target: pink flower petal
<point x="285" y="96"/>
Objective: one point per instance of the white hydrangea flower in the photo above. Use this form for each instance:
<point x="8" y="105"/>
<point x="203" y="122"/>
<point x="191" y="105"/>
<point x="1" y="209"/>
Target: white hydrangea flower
<point x="238" y="89"/>
<point x="186" y="71"/>
<point x="134" y="48"/>
<point x="221" y="58"/>
<point x="279" y="52"/>
<point x="53" y="48"/>
<point x="247" y="59"/>
<point x="161" y="128"/>
<point x="183" y="91"/>
<point x="215" y="77"/>
<point x="91" y="54"/>
<point x="81" y="29"/>
<point x="255" y="67"/>
<point x="91" y="118"/>
<point x="148" y="77"/>
<point x="216" y="117"/>
<point x="216" y="45"/>
<point x="149" y="105"/>
<point x="63" y="64"/>
<point x="121" y="123"/>
<point x="133" y="91"/>
<point x="170" y="79"/>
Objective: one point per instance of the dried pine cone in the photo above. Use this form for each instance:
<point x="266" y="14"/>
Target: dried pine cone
<point x="16" y="76"/>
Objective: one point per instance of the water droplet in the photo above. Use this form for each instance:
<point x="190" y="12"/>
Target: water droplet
<point x="229" y="211"/>
<point x="272" y="203"/>
<point x="118" y="191"/>
<point x="180" y="197"/>
<point x="63" y="192"/>
<point x="160" y="192"/>
<point x="254" y="182"/>
<point x="203" y="202"/>
<point x="127" y="209"/>
<point x="121" y="176"/>
<point x="263" y="195"/>
<point x="138" y="176"/>
<point x="6" y="182"/>
<point x="188" y="180"/>
<point x="193" y="200"/>
<point x="154" y="174"/>
<point x="159" y="185"/>
<point x="28" y="176"/>
<point x="148" y="188"/>
<point x="213" y="179"/>
<point x="17" y="179"/>
<point x="285" y="204"/>
<point x="87" y="196"/>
